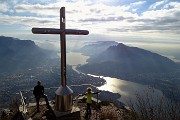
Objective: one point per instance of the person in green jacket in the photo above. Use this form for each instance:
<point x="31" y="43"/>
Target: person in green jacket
<point x="89" y="95"/>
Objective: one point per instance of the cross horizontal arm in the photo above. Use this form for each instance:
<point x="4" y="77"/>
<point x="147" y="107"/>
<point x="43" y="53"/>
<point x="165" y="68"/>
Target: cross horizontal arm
<point x="59" y="31"/>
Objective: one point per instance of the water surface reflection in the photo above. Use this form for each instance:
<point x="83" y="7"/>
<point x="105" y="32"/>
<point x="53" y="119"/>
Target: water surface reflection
<point x="126" y="89"/>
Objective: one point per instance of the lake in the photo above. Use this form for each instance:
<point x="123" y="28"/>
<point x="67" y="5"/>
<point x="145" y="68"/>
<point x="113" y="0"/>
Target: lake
<point x="126" y="89"/>
<point x="75" y="58"/>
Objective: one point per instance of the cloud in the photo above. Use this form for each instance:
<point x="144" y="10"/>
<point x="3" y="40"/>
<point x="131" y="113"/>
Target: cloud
<point x="105" y="19"/>
<point x="81" y="13"/>
<point x="138" y="3"/>
<point x="3" y="7"/>
<point x="86" y="13"/>
<point x="37" y="9"/>
<point x="51" y="9"/>
<point x="163" y="20"/>
<point x="172" y="5"/>
<point x="98" y="16"/>
<point x="79" y="8"/>
<point x="29" y="21"/>
<point x="106" y="2"/>
<point x="156" y="4"/>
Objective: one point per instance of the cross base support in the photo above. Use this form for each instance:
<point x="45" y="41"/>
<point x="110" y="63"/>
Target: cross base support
<point x="73" y="114"/>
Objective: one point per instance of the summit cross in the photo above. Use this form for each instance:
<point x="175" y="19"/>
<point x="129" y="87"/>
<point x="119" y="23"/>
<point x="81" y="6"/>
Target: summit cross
<point x="63" y="32"/>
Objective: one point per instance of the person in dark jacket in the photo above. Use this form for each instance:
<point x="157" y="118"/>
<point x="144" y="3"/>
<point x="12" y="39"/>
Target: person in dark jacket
<point x="39" y="93"/>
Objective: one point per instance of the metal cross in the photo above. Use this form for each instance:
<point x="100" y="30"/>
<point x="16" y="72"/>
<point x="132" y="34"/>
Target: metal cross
<point x="62" y="31"/>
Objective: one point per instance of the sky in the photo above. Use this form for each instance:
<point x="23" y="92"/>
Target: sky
<point x="149" y="24"/>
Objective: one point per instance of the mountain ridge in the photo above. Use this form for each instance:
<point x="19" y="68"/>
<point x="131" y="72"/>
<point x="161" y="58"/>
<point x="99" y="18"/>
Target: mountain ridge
<point x="96" y="47"/>
<point x="131" y="59"/>
<point x="16" y="54"/>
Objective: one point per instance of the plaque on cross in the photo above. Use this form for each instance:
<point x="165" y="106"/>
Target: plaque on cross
<point x="62" y="32"/>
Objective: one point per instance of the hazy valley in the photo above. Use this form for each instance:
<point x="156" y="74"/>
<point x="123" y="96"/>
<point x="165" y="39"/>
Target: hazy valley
<point x="23" y="63"/>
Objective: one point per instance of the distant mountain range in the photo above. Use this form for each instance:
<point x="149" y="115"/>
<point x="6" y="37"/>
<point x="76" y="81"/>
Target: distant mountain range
<point x="96" y="48"/>
<point x="106" y="56"/>
<point x="18" y="54"/>
<point x="124" y="59"/>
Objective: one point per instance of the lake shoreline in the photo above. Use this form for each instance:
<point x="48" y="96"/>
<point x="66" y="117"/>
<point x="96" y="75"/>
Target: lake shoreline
<point x="125" y="88"/>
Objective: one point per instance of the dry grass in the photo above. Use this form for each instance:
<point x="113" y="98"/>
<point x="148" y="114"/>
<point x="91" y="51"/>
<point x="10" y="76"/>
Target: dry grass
<point x="149" y="108"/>
<point x="110" y="114"/>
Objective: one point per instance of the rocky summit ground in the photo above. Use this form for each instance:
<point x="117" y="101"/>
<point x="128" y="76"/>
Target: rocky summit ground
<point x="104" y="110"/>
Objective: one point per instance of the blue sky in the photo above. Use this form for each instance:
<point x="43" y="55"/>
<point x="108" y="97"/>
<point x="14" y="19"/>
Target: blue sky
<point x="151" y="24"/>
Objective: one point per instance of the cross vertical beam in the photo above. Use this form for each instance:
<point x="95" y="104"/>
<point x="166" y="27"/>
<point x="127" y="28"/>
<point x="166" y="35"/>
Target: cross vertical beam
<point x="63" y="46"/>
<point x="63" y="95"/>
